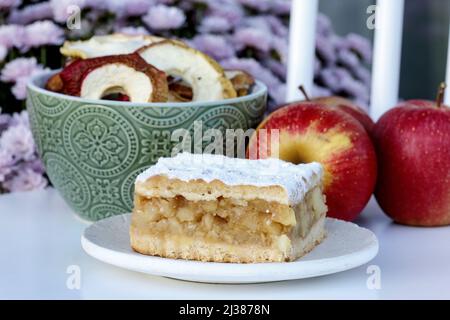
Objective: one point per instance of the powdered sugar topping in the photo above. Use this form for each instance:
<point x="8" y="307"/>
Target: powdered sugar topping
<point x="297" y="180"/>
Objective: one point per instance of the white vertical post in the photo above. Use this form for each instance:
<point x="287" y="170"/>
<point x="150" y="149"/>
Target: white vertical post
<point x="387" y="56"/>
<point x="302" y="35"/>
<point x="447" y="74"/>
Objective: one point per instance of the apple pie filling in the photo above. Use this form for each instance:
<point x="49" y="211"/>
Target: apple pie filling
<point x="227" y="220"/>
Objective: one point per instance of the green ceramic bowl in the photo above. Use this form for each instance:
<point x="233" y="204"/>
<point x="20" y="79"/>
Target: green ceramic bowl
<point x="94" y="149"/>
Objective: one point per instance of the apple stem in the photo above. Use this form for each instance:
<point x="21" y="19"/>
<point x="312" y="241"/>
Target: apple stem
<point x="440" y="94"/>
<point x="303" y="91"/>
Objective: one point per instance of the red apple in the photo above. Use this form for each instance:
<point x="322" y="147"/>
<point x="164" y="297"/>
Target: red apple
<point x="345" y="105"/>
<point x="349" y="107"/>
<point x="413" y="147"/>
<point x="311" y="131"/>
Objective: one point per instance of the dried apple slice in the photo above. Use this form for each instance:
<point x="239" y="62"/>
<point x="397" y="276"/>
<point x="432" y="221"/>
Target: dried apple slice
<point x="72" y="74"/>
<point x="204" y="75"/>
<point x="55" y="83"/>
<point x="99" y="46"/>
<point x="128" y="75"/>
<point x="124" y="77"/>
<point x="179" y="91"/>
<point x="241" y="80"/>
<point x="117" y="78"/>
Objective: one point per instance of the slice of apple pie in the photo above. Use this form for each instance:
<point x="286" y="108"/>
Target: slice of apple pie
<point x="215" y="208"/>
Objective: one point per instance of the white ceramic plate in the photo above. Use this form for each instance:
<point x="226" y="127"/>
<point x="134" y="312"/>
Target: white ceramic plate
<point x="346" y="246"/>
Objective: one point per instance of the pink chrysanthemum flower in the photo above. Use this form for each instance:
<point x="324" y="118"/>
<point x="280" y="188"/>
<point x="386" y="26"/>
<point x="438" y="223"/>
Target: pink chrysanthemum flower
<point x="161" y="17"/>
<point x="42" y="33"/>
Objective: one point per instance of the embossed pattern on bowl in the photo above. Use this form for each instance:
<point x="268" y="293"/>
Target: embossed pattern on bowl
<point x="93" y="150"/>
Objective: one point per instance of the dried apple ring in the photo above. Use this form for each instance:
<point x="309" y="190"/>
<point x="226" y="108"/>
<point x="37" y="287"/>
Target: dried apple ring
<point x="129" y="75"/>
<point x="241" y="80"/>
<point x="204" y="75"/>
<point x="107" y="45"/>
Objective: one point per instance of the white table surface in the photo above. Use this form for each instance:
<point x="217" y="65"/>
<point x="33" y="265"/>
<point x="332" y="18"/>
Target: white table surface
<point x="40" y="239"/>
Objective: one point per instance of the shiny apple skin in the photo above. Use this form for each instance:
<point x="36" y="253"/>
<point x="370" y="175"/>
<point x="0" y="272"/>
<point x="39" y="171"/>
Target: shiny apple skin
<point x="310" y="132"/>
<point x="351" y="108"/>
<point x="413" y="147"/>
